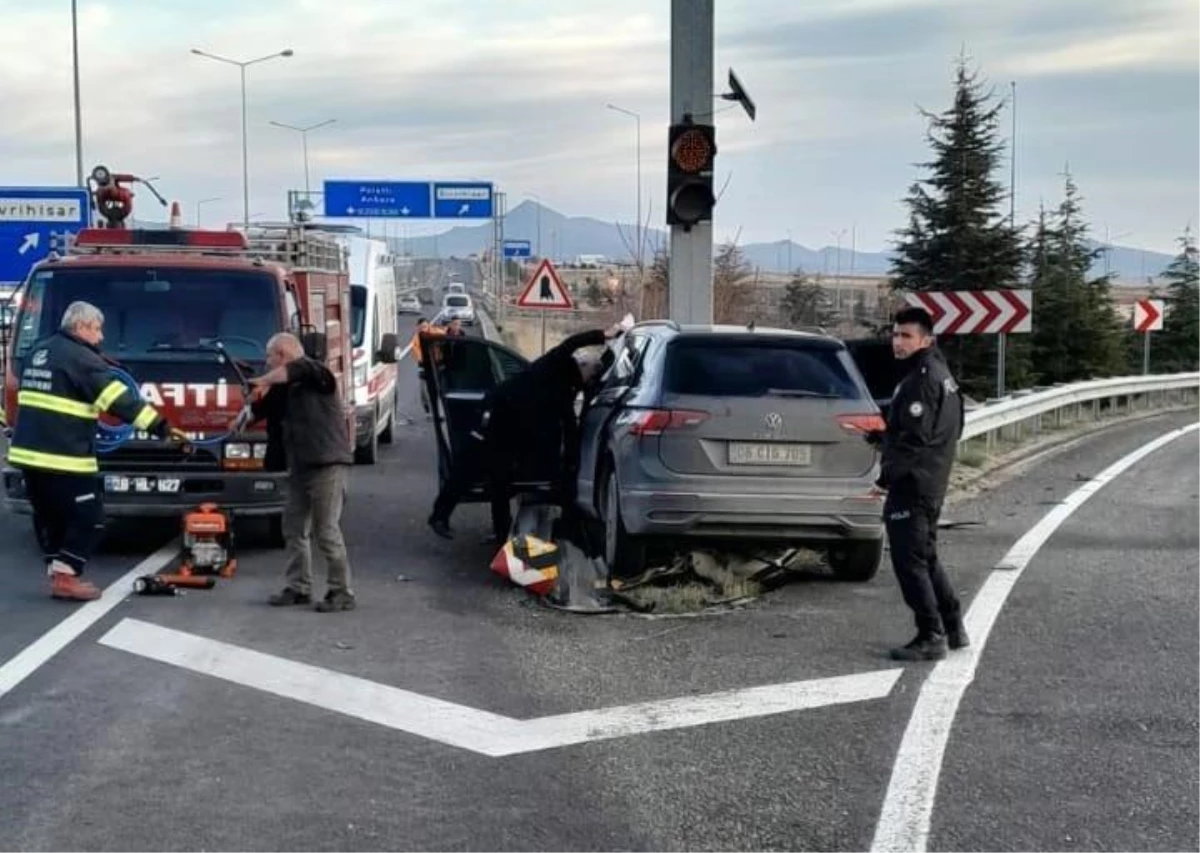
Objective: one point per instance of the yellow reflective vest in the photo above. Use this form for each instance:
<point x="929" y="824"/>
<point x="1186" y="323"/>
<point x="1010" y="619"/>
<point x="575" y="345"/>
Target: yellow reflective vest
<point x="65" y="384"/>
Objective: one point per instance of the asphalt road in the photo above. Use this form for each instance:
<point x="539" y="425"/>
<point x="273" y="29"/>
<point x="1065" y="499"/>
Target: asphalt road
<point x="1078" y="732"/>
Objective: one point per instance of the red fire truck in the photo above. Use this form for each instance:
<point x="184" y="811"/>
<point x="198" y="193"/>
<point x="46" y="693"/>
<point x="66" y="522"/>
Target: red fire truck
<point x="187" y="314"/>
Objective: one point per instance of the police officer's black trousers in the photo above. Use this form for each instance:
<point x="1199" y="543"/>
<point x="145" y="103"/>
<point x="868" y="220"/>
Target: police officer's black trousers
<point x="911" y="522"/>
<point x="68" y="512"/>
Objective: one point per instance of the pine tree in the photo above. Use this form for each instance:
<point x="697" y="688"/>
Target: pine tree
<point x="1177" y="347"/>
<point x="1076" y="335"/>
<point x="806" y="303"/>
<point x="958" y="237"/>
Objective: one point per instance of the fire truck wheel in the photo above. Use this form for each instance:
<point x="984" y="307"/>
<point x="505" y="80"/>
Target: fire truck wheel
<point x="275" y="531"/>
<point x="368" y="454"/>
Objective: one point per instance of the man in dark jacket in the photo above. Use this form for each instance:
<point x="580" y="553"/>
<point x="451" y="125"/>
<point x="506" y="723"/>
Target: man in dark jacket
<point x="530" y="428"/>
<point x="925" y="421"/>
<point x="65" y="384"/>
<point x="308" y="431"/>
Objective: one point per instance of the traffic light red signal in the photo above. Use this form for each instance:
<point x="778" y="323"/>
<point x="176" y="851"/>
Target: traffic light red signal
<point x="692" y="150"/>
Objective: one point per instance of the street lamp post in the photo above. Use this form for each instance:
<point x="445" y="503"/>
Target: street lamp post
<point x="638" y="233"/>
<point x="839" y="235"/>
<point x="200" y="203"/>
<point x="303" y="131"/>
<point x="242" y="66"/>
<point x="78" y="116"/>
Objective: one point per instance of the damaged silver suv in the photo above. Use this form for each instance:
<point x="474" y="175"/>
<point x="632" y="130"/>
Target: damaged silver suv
<point x="729" y="436"/>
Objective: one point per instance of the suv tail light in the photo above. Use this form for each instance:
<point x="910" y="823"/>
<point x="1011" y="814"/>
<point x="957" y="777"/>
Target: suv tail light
<point x="658" y="421"/>
<point x="862" y="423"/>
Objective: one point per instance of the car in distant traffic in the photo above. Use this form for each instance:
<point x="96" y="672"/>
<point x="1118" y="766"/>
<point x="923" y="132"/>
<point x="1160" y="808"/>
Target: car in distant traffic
<point x="460" y="306"/>
<point x="456" y="287"/>
<point x="703" y="436"/>
<point x="408" y="304"/>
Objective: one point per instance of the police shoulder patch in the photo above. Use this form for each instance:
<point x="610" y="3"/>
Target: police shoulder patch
<point x="916" y="409"/>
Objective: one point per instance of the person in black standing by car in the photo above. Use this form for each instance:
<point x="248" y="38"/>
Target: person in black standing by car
<point x="529" y="425"/>
<point x="924" y="424"/>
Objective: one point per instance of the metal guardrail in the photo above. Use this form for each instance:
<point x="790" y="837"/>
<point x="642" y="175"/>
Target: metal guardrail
<point x="1067" y="404"/>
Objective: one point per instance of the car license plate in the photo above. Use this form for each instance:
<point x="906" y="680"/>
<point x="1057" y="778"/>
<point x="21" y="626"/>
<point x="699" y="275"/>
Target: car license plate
<point x="769" y="453"/>
<point x="122" y="484"/>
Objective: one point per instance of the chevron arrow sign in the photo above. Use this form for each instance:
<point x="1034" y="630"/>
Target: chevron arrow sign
<point x="1148" y="315"/>
<point x="977" y="312"/>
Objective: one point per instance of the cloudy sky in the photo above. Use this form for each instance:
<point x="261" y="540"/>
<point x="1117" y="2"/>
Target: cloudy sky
<point x="514" y="91"/>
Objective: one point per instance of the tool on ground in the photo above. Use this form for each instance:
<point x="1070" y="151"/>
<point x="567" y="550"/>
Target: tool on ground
<point x="208" y="543"/>
<point x="171" y="584"/>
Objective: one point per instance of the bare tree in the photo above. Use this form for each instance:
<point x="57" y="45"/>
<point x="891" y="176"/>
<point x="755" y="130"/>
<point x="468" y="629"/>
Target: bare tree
<point x="733" y="283"/>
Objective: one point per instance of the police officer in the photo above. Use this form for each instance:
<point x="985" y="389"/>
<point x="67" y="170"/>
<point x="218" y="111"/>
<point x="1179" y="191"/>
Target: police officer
<point x="925" y="421"/>
<point x="65" y="384"/>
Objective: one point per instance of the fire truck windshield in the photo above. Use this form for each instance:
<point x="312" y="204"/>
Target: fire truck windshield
<point x="158" y="314"/>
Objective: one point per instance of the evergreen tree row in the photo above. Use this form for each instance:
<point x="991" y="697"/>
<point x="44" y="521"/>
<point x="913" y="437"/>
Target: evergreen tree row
<point x="961" y="236"/>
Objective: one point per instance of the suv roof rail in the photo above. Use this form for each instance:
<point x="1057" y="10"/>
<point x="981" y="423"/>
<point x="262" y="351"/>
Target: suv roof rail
<point x="671" y="324"/>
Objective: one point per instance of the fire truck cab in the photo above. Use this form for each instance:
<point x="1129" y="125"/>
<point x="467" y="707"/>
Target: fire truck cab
<point x="179" y="306"/>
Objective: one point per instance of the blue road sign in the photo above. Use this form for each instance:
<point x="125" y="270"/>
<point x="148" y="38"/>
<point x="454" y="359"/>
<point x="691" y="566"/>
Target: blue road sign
<point x="459" y="200"/>
<point x="34" y="220"/>
<point x="518" y="248"/>
<point x="378" y="199"/>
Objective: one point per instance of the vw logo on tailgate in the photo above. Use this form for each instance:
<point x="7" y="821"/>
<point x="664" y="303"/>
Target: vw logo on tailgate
<point x="774" y="423"/>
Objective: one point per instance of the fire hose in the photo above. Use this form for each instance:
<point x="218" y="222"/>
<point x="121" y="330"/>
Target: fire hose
<point x="110" y="437"/>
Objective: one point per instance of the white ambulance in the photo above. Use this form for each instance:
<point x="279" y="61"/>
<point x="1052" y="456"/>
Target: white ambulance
<point x="372" y="328"/>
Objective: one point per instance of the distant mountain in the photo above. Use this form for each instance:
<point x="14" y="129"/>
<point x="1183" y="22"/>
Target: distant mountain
<point x="564" y="237"/>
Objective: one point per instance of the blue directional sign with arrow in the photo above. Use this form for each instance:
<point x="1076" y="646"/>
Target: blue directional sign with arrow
<point x="459" y="200"/>
<point x="378" y="199"/>
<point x="517" y="248"/>
<point x="35" y="220"/>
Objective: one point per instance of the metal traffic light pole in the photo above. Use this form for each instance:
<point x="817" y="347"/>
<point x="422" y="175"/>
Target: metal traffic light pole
<point x="690" y="276"/>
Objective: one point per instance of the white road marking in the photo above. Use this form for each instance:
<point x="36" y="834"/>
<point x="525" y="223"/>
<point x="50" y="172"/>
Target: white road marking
<point x="908" y="805"/>
<point x="469" y="728"/>
<point x="37" y="653"/>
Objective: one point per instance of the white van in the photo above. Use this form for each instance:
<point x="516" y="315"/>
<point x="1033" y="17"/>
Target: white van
<point x="372" y="329"/>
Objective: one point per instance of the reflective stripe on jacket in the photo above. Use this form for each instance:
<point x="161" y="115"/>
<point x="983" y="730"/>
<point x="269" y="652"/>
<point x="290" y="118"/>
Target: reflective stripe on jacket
<point x="65" y="384"/>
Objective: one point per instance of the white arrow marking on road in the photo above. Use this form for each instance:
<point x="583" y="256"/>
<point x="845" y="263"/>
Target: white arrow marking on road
<point x="31" y="242"/>
<point x="470" y="728"/>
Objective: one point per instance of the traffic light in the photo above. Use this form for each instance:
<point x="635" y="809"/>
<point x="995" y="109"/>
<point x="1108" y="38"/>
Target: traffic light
<point x="692" y="149"/>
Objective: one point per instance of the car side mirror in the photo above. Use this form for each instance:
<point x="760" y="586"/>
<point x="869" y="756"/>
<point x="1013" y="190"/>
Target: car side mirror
<point x="315" y="344"/>
<point x="389" y="348"/>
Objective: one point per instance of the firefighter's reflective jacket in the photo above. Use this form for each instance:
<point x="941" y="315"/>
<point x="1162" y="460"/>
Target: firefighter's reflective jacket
<point x="65" y="385"/>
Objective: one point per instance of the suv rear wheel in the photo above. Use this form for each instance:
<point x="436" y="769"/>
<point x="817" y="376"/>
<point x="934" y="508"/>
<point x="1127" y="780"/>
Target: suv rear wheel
<point x="625" y="554"/>
<point x="856" y="561"/>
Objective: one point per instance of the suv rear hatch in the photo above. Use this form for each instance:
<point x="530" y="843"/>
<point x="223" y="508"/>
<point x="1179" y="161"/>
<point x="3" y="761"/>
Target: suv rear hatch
<point x="762" y="405"/>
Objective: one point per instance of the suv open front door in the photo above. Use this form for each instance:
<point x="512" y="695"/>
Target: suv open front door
<point x="459" y="373"/>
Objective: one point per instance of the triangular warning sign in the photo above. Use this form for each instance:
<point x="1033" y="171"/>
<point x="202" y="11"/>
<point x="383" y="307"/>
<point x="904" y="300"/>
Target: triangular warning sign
<point x="545" y="289"/>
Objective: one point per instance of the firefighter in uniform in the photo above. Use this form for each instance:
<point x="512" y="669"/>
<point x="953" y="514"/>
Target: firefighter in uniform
<point x="65" y="384"/>
<point x="924" y="424"/>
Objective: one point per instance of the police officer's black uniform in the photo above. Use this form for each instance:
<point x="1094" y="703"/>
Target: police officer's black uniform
<point x="925" y="422"/>
<point x="65" y="384"/>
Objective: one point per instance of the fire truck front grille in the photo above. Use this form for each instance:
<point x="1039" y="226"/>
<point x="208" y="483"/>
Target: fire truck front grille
<point x="160" y="456"/>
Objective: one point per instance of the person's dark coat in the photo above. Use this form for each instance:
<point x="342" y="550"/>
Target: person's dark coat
<point x="306" y="421"/>
<point x="532" y="414"/>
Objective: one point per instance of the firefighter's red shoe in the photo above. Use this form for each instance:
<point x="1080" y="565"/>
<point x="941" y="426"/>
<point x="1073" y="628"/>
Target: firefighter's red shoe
<point x="72" y="588"/>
